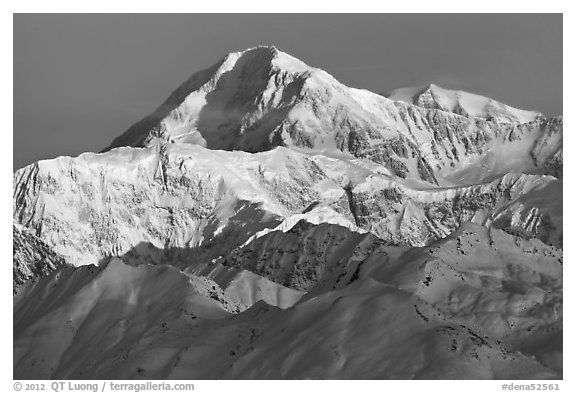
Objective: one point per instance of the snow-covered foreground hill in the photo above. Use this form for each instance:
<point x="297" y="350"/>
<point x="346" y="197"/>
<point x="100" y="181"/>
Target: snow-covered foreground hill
<point x="267" y="221"/>
<point x="479" y="304"/>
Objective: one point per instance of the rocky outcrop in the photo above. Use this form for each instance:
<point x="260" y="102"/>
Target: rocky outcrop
<point x="547" y="150"/>
<point x="298" y="257"/>
<point x="32" y="258"/>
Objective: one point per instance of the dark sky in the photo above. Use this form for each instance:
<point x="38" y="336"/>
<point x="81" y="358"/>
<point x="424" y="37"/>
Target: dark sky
<point x="81" y="80"/>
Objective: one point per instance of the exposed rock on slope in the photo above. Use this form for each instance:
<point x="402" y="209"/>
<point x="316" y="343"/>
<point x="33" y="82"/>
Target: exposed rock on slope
<point x="298" y="257"/>
<point x="526" y="204"/>
<point x="32" y="258"/>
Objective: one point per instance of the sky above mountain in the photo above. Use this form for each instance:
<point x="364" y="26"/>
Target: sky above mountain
<point x="81" y="80"/>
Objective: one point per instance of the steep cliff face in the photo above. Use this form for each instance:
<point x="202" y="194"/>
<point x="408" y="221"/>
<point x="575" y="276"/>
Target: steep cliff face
<point x="261" y="98"/>
<point x="298" y="257"/>
<point x="32" y="258"/>
<point x="547" y="150"/>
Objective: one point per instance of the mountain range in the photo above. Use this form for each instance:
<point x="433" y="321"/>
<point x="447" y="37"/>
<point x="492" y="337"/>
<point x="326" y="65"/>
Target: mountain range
<point x="268" y="222"/>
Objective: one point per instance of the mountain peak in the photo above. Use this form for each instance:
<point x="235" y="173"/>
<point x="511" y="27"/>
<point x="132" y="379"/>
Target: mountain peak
<point x="261" y="49"/>
<point x="266" y="55"/>
<point x="213" y="105"/>
<point x="432" y="87"/>
<point x="269" y="49"/>
<point x="432" y="96"/>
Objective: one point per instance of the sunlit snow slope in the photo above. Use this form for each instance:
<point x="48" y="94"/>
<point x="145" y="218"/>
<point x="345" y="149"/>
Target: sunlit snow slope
<point x="480" y="304"/>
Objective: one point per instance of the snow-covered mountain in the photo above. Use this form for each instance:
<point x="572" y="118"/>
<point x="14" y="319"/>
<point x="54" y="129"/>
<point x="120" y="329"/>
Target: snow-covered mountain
<point x="207" y="202"/>
<point x="265" y="204"/>
<point x="261" y="98"/>
<point x="461" y="103"/>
